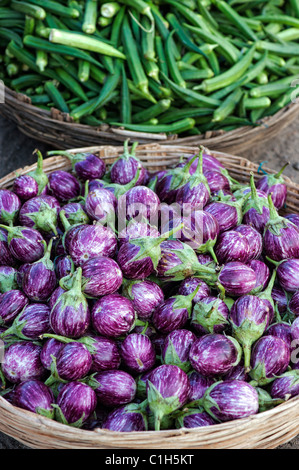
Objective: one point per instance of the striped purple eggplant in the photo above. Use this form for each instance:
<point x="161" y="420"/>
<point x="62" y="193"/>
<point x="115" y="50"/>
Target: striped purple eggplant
<point x="114" y="387"/>
<point x="275" y="185"/>
<point x="11" y="304"/>
<point x="217" y="181"/>
<point x="198" y="385"/>
<point x="237" y="372"/>
<point x="8" y="279"/>
<point x="6" y="257"/>
<point x="188" y="285"/>
<point x="25" y="187"/>
<point x="101" y="205"/>
<point x="50" y="347"/>
<point x="231" y="399"/>
<point x="205" y="230"/>
<point x="113" y="315"/>
<point x="282" y="330"/>
<point x="294" y="304"/>
<point x="22" y="362"/>
<point x="237" y="278"/>
<point x="145" y="295"/>
<point x="194" y="418"/>
<point x="75" y="404"/>
<point x="262" y="274"/>
<point x="286" y="385"/>
<point x="139" y="202"/>
<point x="176" y="348"/>
<point x="270" y="357"/>
<point x="214" y="354"/>
<point x="70" y="314"/>
<point x="10" y="205"/>
<point x="210" y="315"/>
<point x="31" y="323"/>
<point x="138" y="353"/>
<point x="280" y="299"/>
<point x="63" y="185"/>
<point x="136" y="229"/>
<point x="72" y="362"/>
<point x="85" y="165"/>
<point x="126" y="418"/>
<point x="254" y="239"/>
<point x="104" y="351"/>
<point x="35" y="396"/>
<point x="288" y="275"/>
<point x="124" y="169"/>
<point x="41" y="213"/>
<point x="64" y="266"/>
<point x="25" y="244"/>
<point x="293" y="218"/>
<point x="75" y="213"/>
<point x="232" y="246"/>
<point x="226" y="213"/>
<point x="256" y="209"/>
<point x="101" y="276"/>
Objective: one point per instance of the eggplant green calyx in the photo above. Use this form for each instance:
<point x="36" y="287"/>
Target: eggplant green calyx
<point x="159" y="405"/>
<point x="208" y="315"/>
<point x="38" y="174"/>
<point x="275" y="222"/>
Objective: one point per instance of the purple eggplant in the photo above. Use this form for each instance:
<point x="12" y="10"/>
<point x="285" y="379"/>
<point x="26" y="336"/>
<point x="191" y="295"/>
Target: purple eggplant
<point x="286" y="385"/>
<point x="232" y="246"/>
<point x="39" y="175"/>
<point x="293" y="218"/>
<point x="114" y="387"/>
<point x="10" y="206"/>
<point x="214" y="354"/>
<point x="270" y="357"/>
<point x="139" y="202"/>
<point x="176" y="348"/>
<point x="193" y="418"/>
<point x="113" y="315"/>
<point x="56" y="294"/>
<point x="39" y="280"/>
<point x="63" y="185"/>
<point x="138" y="353"/>
<point x="198" y="385"/>
<point x="70" y="315"/>
<point x="217" y="181"/>
<point x="280" y="299"/>
<point x="282" y="330"/>
<point x="204" y="230"/>
<point x="288" y="275"/>
<point x="231" y="399"/>
<point x="254" y="239"/>
<point x="145" y="295"/>
<point x="64" y="266"/>
<point x="6" y="257"/>
<point x="136" y="229"/>
<point x="227" y="213"/>
<point x="124" y="169"/>
<point x="262" y="274"/>
<point x="25" y="244"/>
<point x="75" y="403"/>
<point x="31" y="323"/>
<point x="72" y="362"/>
<point x="256" y="209"/>
<point x="238" y="372"/>
<point x="276" y="186"/>
<point x="22" y="362"/>
<point x="101" y="205"/>
<point x="75" y="213"/>
<point x="167" y="391"/>
<point x="50" y="348"/>
<point x="25" y="187"/>
<point x="101" y="276"/>
<point x="294" y="304"/>
<point x="126" y="418"/>
<point x="188" y="285"/>
<point x="41" y="213"/>
<point x="249" y="318"/>
<point x="209" y="162"/>
<point x="8" y="279"/>
<point x="210" y="315"/>
<point x="35" y="396"/>
<point x="85" y="165"/>
<point x="237" y="278"/>
<point x="104" y="351"/>
<point x="281" y="236"/>
<point x="11" y="304"/>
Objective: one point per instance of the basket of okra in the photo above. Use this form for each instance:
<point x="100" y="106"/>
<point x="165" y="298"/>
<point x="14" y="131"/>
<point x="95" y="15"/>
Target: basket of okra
<point x="223" y="74"/>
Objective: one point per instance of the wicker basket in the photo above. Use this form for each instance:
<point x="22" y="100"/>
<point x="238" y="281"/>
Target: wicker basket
<point x="265" y="430"/>
<point x="58" y="130"/>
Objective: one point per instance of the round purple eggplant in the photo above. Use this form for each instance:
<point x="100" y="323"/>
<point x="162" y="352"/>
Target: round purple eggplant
<point x="64" y="266"/>
<point x="136" y="229"/>
<point x="188" y="285"/>
<point x="217" y="181"/>
<point x="204" y="230"/>
<point x="276" y="186"/>
<point x="145" y="295"/>
<point x="50" y="348"/>
<point x="270" y="357"/>
<point x="11" y="304"/>
<point x="138" y="353"/>
<point x="256" y="211"/>
<point x="231" y="399"/>
<point x="282" y="330"/>
<point x="232" y="246"/>
<point x="101" y="205"/>
<point x="63" y="185"/>
<point x="237" y="278"/>
<point x="22" y="362"/>
<point x="41" y="213"/>
<point x="288" y="275"/>
<point x="262" y="274"/>
<point x="113" y="315"/>
<point x="294" y="304"/>
<point x="75" y="403"/>
<point x="6" y="257"/>
<point x="126" y="418"/>
<point x="167" y="391"/>
<point x="238" y="372"/>
<point x="75" y="213"/>
<point x="25" y="244"/>
<point x="101" y="276"/>
<point x="139" y="202"/>
<point x="227" y="213"/>
<point x="70" y="314"/>
<point x="31" y="323"/>
<point x="114" y="387"/>
<point x="254" y="239"/>
<point x="176" y="348"/>
<point x="280" y="299"/>
<point x="286" y="385"/>
<point x="85" y="165"/>
<point x="8" y="279"/>
<point x="104" y="351"/>
<point x="124" y="169"/>
<point x="293" y="218"/>
<point x="198" y="385"/>
<point x="193" y="418"/>
<point x="214" y="355"/>
<point x="55" y="295"/>
<point x="25" y="187"/>
<point x="34" y="396"/>
<point x="72" y="362"/>
<point x="10" y="206"/>
<point x="210" y="315"/>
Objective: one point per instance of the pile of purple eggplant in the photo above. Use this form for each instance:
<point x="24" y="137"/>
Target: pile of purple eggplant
<point x="132" y="300"/>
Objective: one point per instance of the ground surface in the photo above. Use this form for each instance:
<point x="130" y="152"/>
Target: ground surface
<point x="16" y="151"/>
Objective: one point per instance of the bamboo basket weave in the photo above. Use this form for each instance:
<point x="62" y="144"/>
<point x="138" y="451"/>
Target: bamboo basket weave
<point x="57" y="129"/>
<point x="265" y="430"/>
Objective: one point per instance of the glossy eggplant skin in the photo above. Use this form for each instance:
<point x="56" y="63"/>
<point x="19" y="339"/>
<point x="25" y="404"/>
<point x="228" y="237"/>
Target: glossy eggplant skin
<point x="25" y="244"/>
<point x="89" y="167"/>
<point x="73" y="361"/>
<point x="145" y="295"/>
<point x="138" y="353"/>
<point x="113" y="315"/>
<point x="237" y="278"/>
<point x="25" y="187"/>
<point x="63" y="185"/>
<point x="115" y="387"/>
<point x="288" y="275"/>
<point x="22" y="362"/>
<point x="76" y="403"/>
<point x="126" y="418"/>
<point x="176" y="348"/>
<point x="35" y="396"/>
<point x="11" y="304"/>
<point x="10" y="205"/>
<point x="232" y="246"/>
<point x="101" y="276"/>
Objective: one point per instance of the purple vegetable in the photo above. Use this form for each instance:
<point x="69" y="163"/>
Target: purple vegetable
<point x="194" y="418"/>
<point x="51" y="347"/>
<point x="75" y="403"/>
<point x="256" y="210"/>
<point x="254" y="239"/>
<point x="198" y="385"/>
<point x="262" y="274"/>
<point x="288" y="275"/>
<point x="270" y="357"/>
<point x="64" y="266"/>
<point x="209" y="163"/>
<point x="70" y="315"/>
<point x="126" y="418"/>
<point x="139" y="202"/>
<point x="138" y="353"/>
<point x="238" y="372"/>
<point x="293" y="218"/>
<point x="22" y="362"/>
<point x="55" y="295"/>
<point x="213" y="354"/>
<point x="31" y="323"/>
<point x="294" y="304"/>
<point x="280" y="299"/>
<point x="41" y="213"/>
<point x="136" y="229"/>
<point x="228" y="213"/>
<point x="10" y="206"/>
<point x="231" y="399"/>
<point x="8" y="279"/>
<point x="281" y="236"/>
<point x="75" y="213"/>
<point x="11" y="304"/>
<point x="210" y="315"/>
<point x="72" y="362"/>
<point x="232" y="246"/>
<point x="176" y="348"/>
<point x="25" y="244"/>
<point x="286" y="386"/>
<point x="274" y="185"/>
<point x="217" y="181"/>
<point x="124" y="169"/>
<point x="145" y="295"/>
<point x="281" y="330"/>
<point x="188" y="285"/>
<point x="101" y="205"/>
<point x="35" y="396"/>
<point x="63" y="185"/>
<point x="113" y="315"/>
<point x="114" y="387"/>
<point x="6" y="257"/>
<point x="85" y="165"/>
<point x="104" y="351"/>
<point x="237" y="278"/>
<point x="167" y="391"/>
<point x="25" y="187"/>
<point x="101" y="276"/>
<point x="206" y="229"/>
